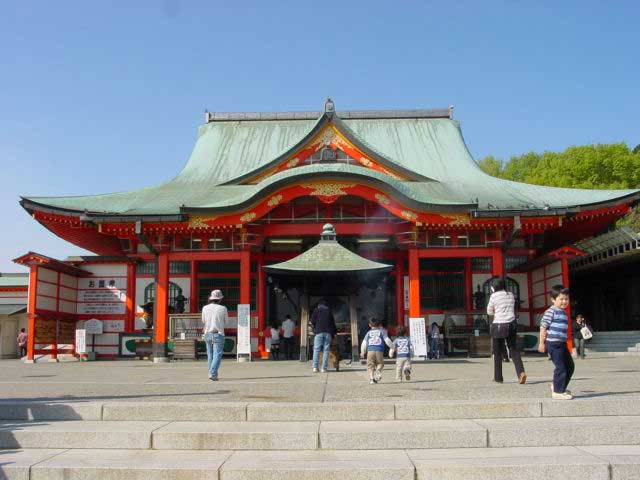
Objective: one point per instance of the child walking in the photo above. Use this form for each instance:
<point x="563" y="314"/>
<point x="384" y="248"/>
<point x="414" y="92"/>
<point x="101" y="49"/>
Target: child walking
<point x="373" y="349"/>
<point x="553" y="339"/>
<point x="403" y="351"/>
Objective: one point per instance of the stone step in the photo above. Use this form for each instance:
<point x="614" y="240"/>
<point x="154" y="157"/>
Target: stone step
<point x="600" y="462"/>
<point x="77" y="434"/>
<point x="330" y="435"/>
<point x="330" y="411"/>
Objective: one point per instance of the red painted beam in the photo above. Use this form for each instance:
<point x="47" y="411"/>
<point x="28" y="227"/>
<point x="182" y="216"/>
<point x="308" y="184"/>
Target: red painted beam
<point x="275" y="230"/>
<point x="455" y="252"/>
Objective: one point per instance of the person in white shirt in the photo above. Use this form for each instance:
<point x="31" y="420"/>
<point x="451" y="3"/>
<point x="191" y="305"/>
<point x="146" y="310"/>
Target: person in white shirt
<point x="503" y="330"/>
<point x="275" y="342"/>
<point x="288" y="337"/>
<point x="214" y="317"/>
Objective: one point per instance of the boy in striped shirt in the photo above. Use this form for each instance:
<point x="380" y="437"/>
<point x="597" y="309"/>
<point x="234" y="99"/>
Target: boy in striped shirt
<point x="553" y="339"/>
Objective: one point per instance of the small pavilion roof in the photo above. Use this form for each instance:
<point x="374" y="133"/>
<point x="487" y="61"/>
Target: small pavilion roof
<point x="328" y="257"/>
<point x="425" y="145"/>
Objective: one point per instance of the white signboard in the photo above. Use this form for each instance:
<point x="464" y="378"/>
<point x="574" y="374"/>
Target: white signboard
<point x="418" y="337"/>
<point x="81" y="341"/>
<point x="93" y="326"/>
<point x="244" y="329"/>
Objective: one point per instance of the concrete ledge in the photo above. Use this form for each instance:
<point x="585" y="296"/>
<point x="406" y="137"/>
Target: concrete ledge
<point x="400" y="434"/>
<point x="467" y="409"/>
<point x="130" y="464"/>
<point x="532" y="463"/>
<point x="176" y="411"/>
<point x="50" y="411"/>
<point x="318" y="465"/>
<point x="237" y="436"/>
<point x="82" y="434"/>
<point x="304" y="412"/>
<point x="15" y="464"/>
<point x="589" y="407"/>
<point x="529" y="432"/>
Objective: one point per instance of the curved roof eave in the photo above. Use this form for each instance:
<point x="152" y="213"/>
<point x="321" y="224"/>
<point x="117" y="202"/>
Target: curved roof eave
<point x="339" y="172"/>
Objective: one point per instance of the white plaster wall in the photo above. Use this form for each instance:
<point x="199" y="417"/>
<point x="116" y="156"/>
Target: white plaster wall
<point x="47" y="289"/>
<point x="106" y="269"/>
<point x="47" y="275"/>
<point x="553" y="269"/>
<point x="141" y="284"/>
<point x="521" y="278"/>
<point x="46" y="303"/>
<point x="67" y="293"/>
<point x="67" y="307"/>
<point x="479" y="279"/>
<point x="68" y="281"/>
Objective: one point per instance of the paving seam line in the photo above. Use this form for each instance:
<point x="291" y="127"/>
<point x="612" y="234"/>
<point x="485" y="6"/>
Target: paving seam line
<point x="609" y="464"/>
<point x="153" y="431"/>
<point x="102" y="412"/>
<point x="219" y="472"/>
<point x="64" y="450"/>
<point x="486" y="429"/>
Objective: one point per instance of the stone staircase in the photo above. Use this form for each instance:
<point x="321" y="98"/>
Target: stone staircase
<point x="615" y="343"/>
<point x="586" y="439"/>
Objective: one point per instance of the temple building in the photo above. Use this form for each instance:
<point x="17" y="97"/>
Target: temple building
<point x="399" y="188"/>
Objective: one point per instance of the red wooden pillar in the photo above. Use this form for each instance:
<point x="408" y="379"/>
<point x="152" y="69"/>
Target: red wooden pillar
<point x="54" y="346"/>
<point x="245" y="279"/>
<point x="400" y="290"/>
<point x="414" y="283"/>
<point x="468" y="283"/>
<point x="497" y="263"/>
<point x="161" y="309"/>
<point x="262" y="314"/>
<point x="130" y="305"/>
<point x="31" y="312"/>
<point x="193" y="300"/>
<point x="565" y="282"/>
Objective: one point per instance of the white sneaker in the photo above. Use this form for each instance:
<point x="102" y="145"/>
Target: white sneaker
<point x="372" y="382"/>
<point x="315" y="370"/>
<point x="323" y="371"/>
<point x="561" y="396"/>
<point x="377" y="376"/>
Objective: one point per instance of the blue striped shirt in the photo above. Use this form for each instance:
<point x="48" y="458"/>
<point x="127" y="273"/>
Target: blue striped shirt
<point x="556" y="323"/>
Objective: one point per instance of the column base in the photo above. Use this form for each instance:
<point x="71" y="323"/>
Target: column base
<point x="53" y="360"/>
<point x="160" y="352"/>
<point x="303" y="354"/>
<point x="29" y="361"/>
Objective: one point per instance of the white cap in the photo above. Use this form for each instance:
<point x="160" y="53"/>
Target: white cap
<point x="216" y="295"/>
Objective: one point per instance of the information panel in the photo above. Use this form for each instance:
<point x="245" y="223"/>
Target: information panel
<point x="244" y="329"/>
<point x="418" y="337"/>
<point x="81" y="341"/>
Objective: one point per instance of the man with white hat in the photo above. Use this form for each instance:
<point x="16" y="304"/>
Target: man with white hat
<point x="214" y="316"/>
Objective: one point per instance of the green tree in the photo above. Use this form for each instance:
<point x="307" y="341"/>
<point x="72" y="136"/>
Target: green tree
<point x="491" y="165"/>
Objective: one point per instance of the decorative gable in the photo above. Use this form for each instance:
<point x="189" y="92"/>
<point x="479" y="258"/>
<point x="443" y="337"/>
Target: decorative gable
<point x="328" y="146"/>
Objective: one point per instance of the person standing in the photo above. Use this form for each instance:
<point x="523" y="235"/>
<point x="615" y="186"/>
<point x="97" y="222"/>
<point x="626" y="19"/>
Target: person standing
<point x="578" y="336"/>
<point x="324" y="327"/>
<point x="274" y="333"/>
<point x="22" y="343"/>
<point x="504" y="330"/>
<point x="553" y="339"/>
<point x="288" y="328"/>
<point x="214" y="317"/>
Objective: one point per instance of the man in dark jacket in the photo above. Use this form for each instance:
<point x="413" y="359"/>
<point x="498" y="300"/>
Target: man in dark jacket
<point x="324" y="327"/>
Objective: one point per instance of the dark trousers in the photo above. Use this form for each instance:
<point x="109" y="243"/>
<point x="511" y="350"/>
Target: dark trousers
<point x="287" y="344"/>
<point x="563" y="363"/>
<point x="498" y="347"/>
<point x="22" y="351"/>
<point x="275" y="351"/>
<point x="581" y="343"/>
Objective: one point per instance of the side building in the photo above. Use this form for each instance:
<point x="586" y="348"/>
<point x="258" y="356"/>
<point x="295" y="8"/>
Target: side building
<point x="399" y="187"/>
<point x="13" y="311"/>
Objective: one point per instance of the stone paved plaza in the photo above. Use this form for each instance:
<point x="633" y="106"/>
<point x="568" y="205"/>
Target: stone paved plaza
<point x="603" y="377"/>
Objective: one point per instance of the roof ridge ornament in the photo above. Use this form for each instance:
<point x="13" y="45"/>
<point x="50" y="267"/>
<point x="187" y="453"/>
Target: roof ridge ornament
<point x="329" y="106"/>
<point x="328" y="233"/>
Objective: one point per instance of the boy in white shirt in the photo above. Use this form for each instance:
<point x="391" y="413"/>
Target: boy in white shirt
<point x="275" y="342"/>
<point x="288" y="337"/>
<point x="373" y="349"/>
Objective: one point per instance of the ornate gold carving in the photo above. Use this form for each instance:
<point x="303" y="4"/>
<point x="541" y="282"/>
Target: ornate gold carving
<point x="198" y="221"/>
<point x="247" y="217"/>
<point x="366" y="162"/>
<point x="460" y="218"/>
<point x="293" y="162"/>
<point x="409" y="215"/>
<point x="327" y="189"/>
<point x="275" y="200"/>
<point x="382" y="199"/>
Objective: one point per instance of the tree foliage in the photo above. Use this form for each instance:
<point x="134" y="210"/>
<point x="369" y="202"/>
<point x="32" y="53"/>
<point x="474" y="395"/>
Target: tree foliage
<point x="605" y="166"/>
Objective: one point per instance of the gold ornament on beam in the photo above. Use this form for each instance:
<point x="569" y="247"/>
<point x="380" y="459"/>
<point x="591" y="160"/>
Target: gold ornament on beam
<point x="327" y="189"/>
<point x="198" y="221"/>
<point x="275" y="200"/>
<point x="247" y="217"/>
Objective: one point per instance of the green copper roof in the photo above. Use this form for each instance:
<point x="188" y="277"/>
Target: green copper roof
<point x="327" y="257"/>
<point x="430" y="146"/>
<point x="14" y="279"/>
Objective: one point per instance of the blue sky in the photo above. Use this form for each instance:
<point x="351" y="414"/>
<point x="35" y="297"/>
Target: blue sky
<point x="107" y="96"/>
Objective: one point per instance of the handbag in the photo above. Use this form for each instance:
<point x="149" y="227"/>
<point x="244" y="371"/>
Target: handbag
<point x="500" y="330"/>
<point x="587" y="334"/>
